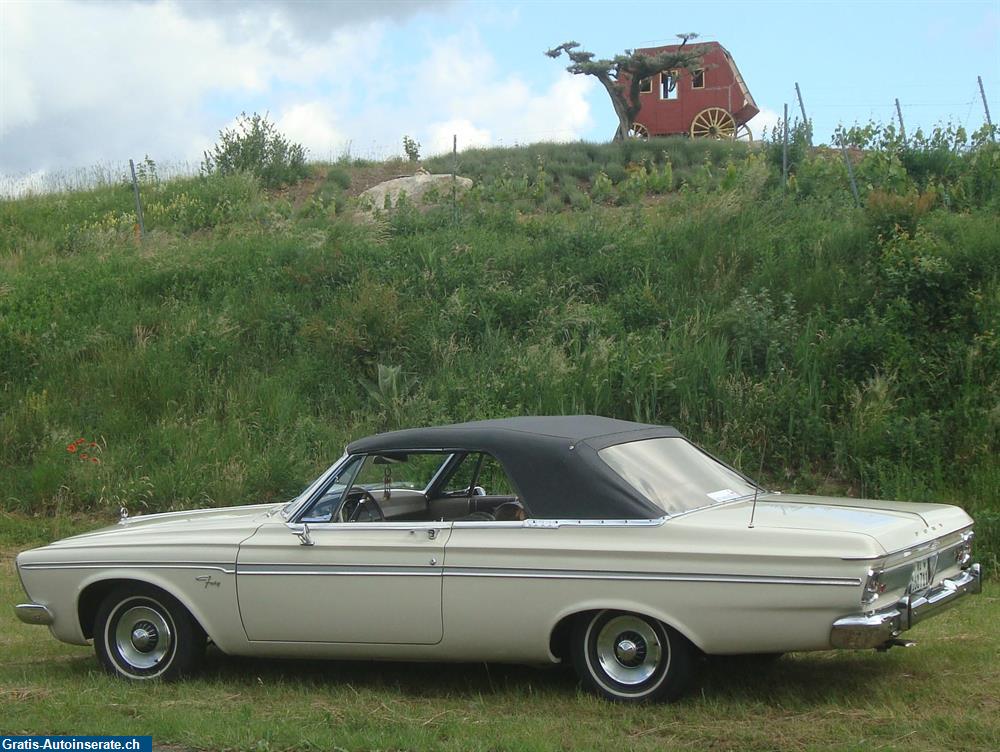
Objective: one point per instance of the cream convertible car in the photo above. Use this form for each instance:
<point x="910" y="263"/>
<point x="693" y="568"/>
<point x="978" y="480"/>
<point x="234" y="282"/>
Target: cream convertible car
<point x="620" y="547"/>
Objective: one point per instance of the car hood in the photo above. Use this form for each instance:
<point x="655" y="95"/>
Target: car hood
<point x="229" y="525"/>
<point x="893" y="525"/>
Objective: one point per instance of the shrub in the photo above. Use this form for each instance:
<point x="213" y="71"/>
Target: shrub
<point x="412" y="148"/>
<point x="256" y="146"/>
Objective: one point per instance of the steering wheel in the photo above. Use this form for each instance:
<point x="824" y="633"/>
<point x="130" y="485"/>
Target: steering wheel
<point x="366" y="498"/>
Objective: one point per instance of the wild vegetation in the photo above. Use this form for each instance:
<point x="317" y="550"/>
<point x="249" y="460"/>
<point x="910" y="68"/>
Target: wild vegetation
<point x="231" y="354"/>
<point x="256" y="146"/>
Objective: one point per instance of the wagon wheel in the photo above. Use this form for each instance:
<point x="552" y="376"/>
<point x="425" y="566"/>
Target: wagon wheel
<point x="638" y="130"/>
<point x="713" y="122"/>
<point x="743" y="133"/>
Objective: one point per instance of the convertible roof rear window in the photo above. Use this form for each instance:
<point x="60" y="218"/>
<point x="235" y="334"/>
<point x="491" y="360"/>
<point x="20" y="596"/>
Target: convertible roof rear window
<point x="674" y="474"/>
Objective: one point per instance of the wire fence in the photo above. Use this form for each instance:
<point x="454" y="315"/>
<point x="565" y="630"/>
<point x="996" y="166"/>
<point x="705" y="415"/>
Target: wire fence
<point x="826" y="114"/>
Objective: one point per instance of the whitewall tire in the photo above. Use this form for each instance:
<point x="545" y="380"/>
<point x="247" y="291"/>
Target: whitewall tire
<point x="143" y="633"/>
<point x="628" y="657"/>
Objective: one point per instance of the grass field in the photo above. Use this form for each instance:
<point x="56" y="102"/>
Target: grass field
<point x="943" y="694"/>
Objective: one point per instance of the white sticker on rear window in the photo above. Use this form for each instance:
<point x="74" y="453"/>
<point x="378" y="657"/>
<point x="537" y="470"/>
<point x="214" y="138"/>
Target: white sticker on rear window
<point x="724" y="495"/>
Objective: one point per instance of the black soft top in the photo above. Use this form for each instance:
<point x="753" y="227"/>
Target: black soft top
<point x="552" y="460"/>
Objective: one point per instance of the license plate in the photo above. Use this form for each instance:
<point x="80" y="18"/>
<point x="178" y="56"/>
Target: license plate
<point x="921" y="576"/>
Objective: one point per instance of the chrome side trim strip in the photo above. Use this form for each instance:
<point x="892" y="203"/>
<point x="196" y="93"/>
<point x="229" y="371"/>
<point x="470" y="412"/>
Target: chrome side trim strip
<point x="572" y="574"/>
<point x="544" y="524"/>
<point x="437" y="571"/>
<point x="542" y="574"/>
<point x="656" y="522"/>
<point x="226" y="568"/>
<point x="338" y="569"/>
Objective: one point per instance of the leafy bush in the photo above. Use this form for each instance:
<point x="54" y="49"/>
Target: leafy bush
<point x="256" y="146"/>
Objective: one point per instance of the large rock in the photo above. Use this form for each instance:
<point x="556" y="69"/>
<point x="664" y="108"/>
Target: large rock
<point x="415" y="187"/>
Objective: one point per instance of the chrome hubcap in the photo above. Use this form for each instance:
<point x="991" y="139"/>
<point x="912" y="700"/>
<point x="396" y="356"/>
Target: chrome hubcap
<point x="143" y="637"/>
<point x="629" y="649"/>
<point x="630" y="652"/>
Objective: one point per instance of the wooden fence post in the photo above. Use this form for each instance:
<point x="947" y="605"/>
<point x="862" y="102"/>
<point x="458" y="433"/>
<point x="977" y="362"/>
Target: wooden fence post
<point x="989" y="121"/>
<point x="805" y="121"/>
<point x="850" y="174"/>
<point x="784" y="150"/>
<point x="138" y="201"/>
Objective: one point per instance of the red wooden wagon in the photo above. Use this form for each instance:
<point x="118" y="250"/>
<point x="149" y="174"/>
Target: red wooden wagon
<point x="711" y="102"/>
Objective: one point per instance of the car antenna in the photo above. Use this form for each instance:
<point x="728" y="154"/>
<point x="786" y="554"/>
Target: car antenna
<point x="756" y="484"/>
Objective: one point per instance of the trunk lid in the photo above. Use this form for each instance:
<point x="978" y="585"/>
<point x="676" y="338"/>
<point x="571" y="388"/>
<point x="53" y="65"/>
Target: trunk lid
<point x="894" y="525"/>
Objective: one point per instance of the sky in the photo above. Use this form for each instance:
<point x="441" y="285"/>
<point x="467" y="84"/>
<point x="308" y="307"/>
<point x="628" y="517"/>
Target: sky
<point x="91" y="82"/>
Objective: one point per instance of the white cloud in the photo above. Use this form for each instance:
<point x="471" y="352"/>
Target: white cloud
<point x="85" y="83"/>
<point x="291" y="21"/>
<point x="764" y="123"/>
<point x="97" y="83"/>
<point x="470" y="96"/>
<point x="313" y="125"/>
<point x="468" y="136"/>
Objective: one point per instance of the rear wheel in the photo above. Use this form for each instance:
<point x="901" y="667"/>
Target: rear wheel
<point x="143" y="633"/>
<point x="627" y="657"/>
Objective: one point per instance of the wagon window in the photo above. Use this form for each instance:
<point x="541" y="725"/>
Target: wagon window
<point x="668" y="85"/>
<point x="698" y="79"/>
<point x="646" y="86"/>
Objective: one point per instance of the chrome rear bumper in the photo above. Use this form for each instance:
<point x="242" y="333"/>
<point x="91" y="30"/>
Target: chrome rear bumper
<point x="33" y="613"/>
<point x="877" y="628"/>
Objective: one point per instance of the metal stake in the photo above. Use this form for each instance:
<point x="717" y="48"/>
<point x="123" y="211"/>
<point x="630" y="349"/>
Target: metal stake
<point x="784" y="149"/>
<point x="989" y="121"/>
<point x="138" y="201"/>
<point x="454" y="181"/>
<point x="850" y="174"/>
<point x="899" y="114"/>
<point x="802" y="109"/>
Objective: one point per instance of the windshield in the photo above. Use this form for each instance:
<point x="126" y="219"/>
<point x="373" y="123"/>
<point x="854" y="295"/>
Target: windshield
<point x="674" y="474"/>
<point x="286" y="510"/>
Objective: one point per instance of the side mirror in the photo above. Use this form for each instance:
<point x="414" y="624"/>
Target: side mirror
<point x="302" y="531"/>
<point x="478" y="491"/>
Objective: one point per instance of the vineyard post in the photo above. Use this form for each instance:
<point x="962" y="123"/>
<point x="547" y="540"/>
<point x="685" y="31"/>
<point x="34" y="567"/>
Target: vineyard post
<point x="850" y="174"/>
<point x="989" y="121"/>
<point x="784" y="149"/>
<point x="138" y="201"/>
<point x="902" y="128"/>
<point x="802" y="108"/>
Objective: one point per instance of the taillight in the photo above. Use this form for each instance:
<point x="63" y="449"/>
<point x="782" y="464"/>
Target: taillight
<point x="874" y="587"/>
<point x="963" y="551"/>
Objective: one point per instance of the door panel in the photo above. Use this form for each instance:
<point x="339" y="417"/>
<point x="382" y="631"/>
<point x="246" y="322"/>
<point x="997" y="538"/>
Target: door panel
<point x="358" y="582"/>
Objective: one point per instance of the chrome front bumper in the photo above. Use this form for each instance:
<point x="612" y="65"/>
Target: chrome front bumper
<point x="33" y="613"/>
<point x="876" y="629"/>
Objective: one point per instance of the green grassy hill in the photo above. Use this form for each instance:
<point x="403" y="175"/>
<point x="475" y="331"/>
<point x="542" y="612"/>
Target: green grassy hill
<point x="229" y="356"/>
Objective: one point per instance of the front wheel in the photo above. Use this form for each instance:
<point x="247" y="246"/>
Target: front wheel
<point x="628" y="657"/>
<point x="144" y="633"/>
